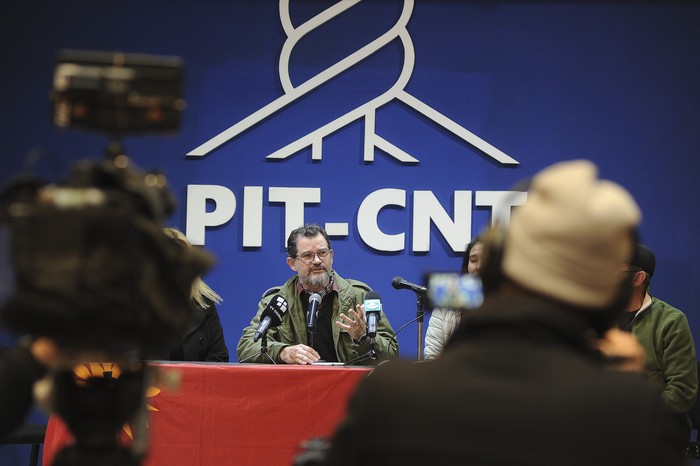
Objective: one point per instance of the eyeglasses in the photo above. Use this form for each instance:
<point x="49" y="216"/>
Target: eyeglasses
<point x="308" y="257"/>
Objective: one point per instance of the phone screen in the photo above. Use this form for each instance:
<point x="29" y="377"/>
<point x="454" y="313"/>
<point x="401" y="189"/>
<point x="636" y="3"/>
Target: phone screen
<point x="453" y="290"/>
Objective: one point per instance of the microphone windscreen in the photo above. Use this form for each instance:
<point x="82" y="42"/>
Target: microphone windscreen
<point x="315" y="297"/>
<point x="373" y="302"/>
<point x="276" y="309"/>
<point x="396" y="282"/>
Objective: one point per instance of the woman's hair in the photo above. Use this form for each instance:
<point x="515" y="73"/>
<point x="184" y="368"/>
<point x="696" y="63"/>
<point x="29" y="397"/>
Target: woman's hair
<point x="200" y="293"/>
<point x="468" y="249"/>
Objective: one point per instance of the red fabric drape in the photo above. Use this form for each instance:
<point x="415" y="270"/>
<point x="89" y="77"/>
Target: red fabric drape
<point x="237" y="414"/>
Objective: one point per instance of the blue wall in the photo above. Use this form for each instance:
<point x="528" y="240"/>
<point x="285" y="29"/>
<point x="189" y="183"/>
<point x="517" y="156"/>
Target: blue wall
<point x="615" y="82"/>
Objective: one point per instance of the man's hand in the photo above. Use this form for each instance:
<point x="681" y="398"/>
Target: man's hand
<point x="299" y="354"/>
<point x="624" y="349"/>
<point x="45" y="351"/>
<point x="52" y="356"/>
<point x="354" y="322"/>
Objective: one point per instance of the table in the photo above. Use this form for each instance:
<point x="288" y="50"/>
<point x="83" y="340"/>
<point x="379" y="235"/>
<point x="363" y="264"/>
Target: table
<point x="253" y="414"/>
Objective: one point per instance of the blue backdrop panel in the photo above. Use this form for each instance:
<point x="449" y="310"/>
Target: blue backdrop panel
<point x="615" y="82"/>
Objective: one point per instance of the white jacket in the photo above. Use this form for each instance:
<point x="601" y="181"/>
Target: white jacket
<point x="442" y="324"/>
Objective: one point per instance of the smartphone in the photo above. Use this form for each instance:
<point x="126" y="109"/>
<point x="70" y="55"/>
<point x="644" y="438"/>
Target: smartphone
<point x="453" y="290"/>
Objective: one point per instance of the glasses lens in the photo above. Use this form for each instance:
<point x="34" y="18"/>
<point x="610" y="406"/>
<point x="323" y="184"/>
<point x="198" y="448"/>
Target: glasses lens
<point x="308" y="257"/>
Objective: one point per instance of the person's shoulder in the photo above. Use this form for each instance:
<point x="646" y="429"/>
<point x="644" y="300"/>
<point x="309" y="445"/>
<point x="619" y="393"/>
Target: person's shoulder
<point x="669" y="311"/>
<point x="414" y="376"/>
<point x="358" y="284"/>
<point x="396" y="368"/>
<point x="277" y="288"/>
<point x="351" y="289"/>
<point x="441" y="312"/>
<point x="271" y="291"/>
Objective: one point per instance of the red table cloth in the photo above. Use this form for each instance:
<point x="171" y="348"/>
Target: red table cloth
<point x="236" y="414"/>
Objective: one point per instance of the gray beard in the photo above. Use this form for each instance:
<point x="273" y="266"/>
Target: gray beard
<point x="316" y="281"/>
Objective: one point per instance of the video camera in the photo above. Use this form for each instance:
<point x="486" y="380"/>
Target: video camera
<point x="118" y="93"/>
<point x="86" y="262"/>
<point x="90" y="264"/>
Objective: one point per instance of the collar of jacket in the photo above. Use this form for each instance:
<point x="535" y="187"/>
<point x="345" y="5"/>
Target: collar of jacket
<point x="198" y="315"/>
<point x="646" y="307"/>
<point x="526" y="317"/>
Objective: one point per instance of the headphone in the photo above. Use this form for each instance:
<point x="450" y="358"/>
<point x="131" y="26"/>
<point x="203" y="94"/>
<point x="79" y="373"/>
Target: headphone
<point x="491" y="271"/>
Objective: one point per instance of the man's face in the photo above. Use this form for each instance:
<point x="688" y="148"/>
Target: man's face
<point x="313" y="270"/>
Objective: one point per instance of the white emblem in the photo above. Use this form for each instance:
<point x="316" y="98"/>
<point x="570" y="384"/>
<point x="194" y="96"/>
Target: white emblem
<point x="366" y="111"/>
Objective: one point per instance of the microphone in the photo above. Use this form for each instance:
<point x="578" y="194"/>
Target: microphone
<point x="373" y="312"/>
<point x="400" y="283"/>
<point x="271" y="316"/>
<point x="314" y="302"/>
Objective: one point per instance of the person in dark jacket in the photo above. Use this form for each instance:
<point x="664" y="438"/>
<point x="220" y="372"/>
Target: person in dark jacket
<point x="521" y="381"/>
<point x="203" y="339"/>
<point x="20" y="368"/>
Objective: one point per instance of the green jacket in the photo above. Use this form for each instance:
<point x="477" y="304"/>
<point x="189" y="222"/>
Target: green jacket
<point x="665" y="335"/>
<point x="292" y="331"/>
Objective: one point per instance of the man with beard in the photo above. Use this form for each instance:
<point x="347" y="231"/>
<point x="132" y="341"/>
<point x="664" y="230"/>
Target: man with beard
<point x="340" y="331"/>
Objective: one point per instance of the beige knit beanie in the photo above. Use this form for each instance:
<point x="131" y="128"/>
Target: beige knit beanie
<point x="572" y="238"/>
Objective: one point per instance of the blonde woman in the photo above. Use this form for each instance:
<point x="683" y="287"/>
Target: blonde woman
<point x="203" y="339"/>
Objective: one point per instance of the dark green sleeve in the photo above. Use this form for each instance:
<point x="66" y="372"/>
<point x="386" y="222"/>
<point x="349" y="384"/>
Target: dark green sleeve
<point x="679" y="364"/>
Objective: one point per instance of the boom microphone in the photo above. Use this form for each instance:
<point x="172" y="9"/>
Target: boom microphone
<point x="400" y="283"/>
<point x="271" y="316"/>
<point x="373" y="312"/>
<point x="314" y="301"/>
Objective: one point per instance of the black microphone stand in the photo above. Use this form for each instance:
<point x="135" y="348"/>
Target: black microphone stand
<point x="263" y="351"/>
<point x="420" y="312"/>
<point x="310" y="332"/>
<point x="371" y="355"/>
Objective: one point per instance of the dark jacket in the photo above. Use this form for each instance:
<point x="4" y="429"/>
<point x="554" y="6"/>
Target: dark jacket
<point x="18" y="372"/>
<point x="517" y="384"/>
<point x="203" y="339"/>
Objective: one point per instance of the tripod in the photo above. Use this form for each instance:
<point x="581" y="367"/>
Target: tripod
<point x="95" y="411"/>
<point x="263" y="351"/>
